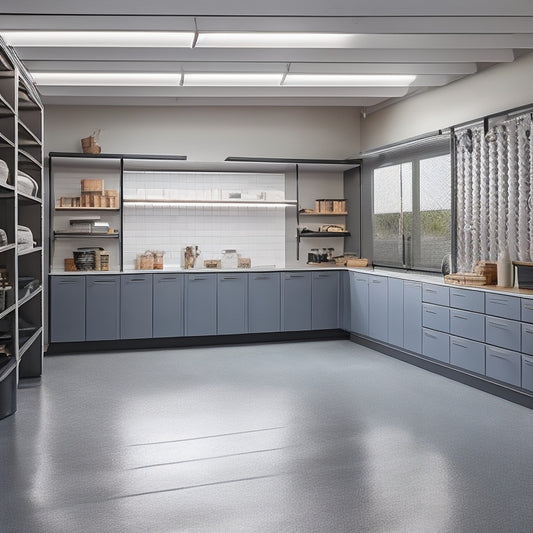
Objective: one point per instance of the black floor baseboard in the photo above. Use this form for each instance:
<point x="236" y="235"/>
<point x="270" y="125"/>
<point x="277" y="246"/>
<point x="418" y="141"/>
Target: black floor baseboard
<point x="184" y="342"/>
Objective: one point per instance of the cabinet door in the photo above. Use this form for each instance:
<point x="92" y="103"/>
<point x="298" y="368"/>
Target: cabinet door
<point x="344" y="303"/>
<point x="136" y="306"/>
<point x="504" y="365"/>
<point x="436" y="294"/>
<point x="436" y="345"/>
<point x="436" y="317"/>
<point x="395" y="311"/>
<point x="168" y="305"/>
<point x="359" y="303"/>
<point x="467" y="354"/>
<point x="201" y="304"/>
<point x="103" y="308"/>
<point x="412" y="316"/>
<point x="527" y="372"/>
<point x="503" y="306"/>
<point x="325" y="300"/>
<point x="504" y="333"/>
<point x="67" y="308"/>
<point x="378" y="308"/>
<point x="264" y="302"/>
<point x="296" y="301"/>
<point x="232" y="297"/>
<point x="467" y="299"/>
<point x="467" y="324"/>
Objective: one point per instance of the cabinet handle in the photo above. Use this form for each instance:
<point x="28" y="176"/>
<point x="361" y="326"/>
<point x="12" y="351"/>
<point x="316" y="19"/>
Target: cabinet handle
<point x="102" y="281"/>
<point x="429" y="335"/>
<point x="160" y="280"/>
<point x="460" y="317"/>
<point x="377" y="281"/>
<point x="67" y="282"/>
<point x="430" y="312"/>
<point x="292" y="276"/>
<point x="528" y="307"/>
<point x="136" y="280"/>
<point x="197" y="278"/>
<point x="459" y="295"/>
<point x="261" y="277"/>
<point x="229" y="277"/>
<point x="499" y="326"/>
<point x="412" y="283"/>
<point x="431" y="290"/>
<point x="528" y="330"/>
<point x="457" y="344"/>
<point x="324" y="276"/>
<point x="498" y="301"/>
<point x="499" y="356"/>
<point x="528" y="363"/>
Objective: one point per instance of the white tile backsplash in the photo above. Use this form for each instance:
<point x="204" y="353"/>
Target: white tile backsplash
<point x="255" y="232"/>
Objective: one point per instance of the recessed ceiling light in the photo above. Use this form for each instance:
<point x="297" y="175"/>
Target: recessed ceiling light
<point x="235" y="79"/>
<point x="134" y="39"/>
<point x="349" y="80"/>
<point x="134" y="79"/>
<point x="274" y="40"/>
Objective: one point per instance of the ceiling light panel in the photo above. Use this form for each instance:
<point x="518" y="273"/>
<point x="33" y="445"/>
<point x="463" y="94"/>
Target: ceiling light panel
<point x="275" y="40"/>
<point x="128" y="39"/>
<point x="131" y="79"/>
<point x="233" y="79"/>
<point x="348" y="80"/>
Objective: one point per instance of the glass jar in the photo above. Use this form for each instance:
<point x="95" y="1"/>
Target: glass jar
<point x="230" y="259"/>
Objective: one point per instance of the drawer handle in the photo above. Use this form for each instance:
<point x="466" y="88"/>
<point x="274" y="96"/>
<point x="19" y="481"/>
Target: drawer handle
<point x="292" y="276"/>
<point x="412" y="283"/>
<point x="102" y="281"/>
<point x="197" y="279"/>
<point x="528" y="363"/>
<point x="261" y="277"/>
<point x="499" y="326"/>
<point x="136" y="280"/>
<point x="499" y="356"/>
<point x="460" y="317"/>
<point x="70" y="281"/>
<point x="160" y="280"/>
<point x="229" y="277"/>
<point x="499" y="302"/>
<point x="429" y="335"/>
<point x="528" y="307"/>
<point x="460" y="345"/>
<point x="459" y="295"/>
<point x="324" y="276"/>
<point x="431" y="290"/>
<point x="528" y="330"/>
<point x="430" y="312"/>
<point x="377" y="281"/>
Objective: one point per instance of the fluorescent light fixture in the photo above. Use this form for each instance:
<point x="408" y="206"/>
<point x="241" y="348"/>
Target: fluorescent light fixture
<point x="133" y="39"/>
<point x="274" y="40"/>
<point x="128" y="79"/>
<point x="232" y="79"/>
<point x="348" y="80"/>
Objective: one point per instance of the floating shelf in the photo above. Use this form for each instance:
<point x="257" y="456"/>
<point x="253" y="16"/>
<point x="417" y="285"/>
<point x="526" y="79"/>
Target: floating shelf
<point x="138" y="201"/>
<point x="324" y="234"/>
<point x="30" y="250"/>
<point x="67" y="234"/>
<point x="87" y="208"/>
<point x="322" y="214"/>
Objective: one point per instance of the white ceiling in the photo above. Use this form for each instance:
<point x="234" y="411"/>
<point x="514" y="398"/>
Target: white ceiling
<point x="438" y="40"/>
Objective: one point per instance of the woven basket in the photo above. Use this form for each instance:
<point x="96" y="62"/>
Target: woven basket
<point x="89" y="145"/>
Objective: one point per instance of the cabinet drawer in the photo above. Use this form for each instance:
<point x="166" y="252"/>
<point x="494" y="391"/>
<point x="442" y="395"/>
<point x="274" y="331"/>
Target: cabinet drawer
<point x="501" y="305"/>
<point x="503" y="365"/>
<point x="436" y="345"/>
<point x="435" y="294"/>
<point x="501" y="332"/>
<point x="436" y="317"/>
<point x="527" y="372"/>
<point x="467" y="354"/>
<point x="527" y="310"/>
<point x="527" y="339"/>
<point x="468" y="300"/>
<point x="467" y="324"/>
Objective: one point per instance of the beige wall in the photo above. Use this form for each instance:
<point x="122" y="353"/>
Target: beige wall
<point x="208" y="133"/>
<point x="496" y="89"/>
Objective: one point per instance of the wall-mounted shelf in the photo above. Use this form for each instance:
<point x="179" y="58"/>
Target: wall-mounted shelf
<point x="87" y="208"/>
<point x="258" y="203"/>
<point x="67" y="234"/>
<point x="323" y="234"/>
<point x="343" y="214"/>
<point x="35" y="249"/>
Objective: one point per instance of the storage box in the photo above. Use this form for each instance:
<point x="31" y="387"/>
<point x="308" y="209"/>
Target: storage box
<point x="92" y="185"/>
<point x="524" y="274"/>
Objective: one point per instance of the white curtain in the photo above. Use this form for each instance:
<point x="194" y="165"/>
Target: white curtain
<point x="494" y="207"/>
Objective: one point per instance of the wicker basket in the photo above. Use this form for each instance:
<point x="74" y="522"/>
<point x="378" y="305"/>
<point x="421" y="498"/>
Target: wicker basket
<point x="89" y="145"/>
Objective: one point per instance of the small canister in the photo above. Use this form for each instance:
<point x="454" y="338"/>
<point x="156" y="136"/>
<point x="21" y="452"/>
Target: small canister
<point x="230" y="259"/>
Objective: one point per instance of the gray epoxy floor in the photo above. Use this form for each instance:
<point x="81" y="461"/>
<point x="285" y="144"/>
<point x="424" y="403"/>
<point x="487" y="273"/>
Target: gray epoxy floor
<point x="304" y="437"/>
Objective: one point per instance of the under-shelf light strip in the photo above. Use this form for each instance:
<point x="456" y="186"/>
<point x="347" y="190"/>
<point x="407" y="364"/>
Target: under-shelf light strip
<point x="148" y="203"/>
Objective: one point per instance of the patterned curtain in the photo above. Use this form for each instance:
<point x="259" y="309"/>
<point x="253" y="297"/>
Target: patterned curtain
<point x="494" y="207"/>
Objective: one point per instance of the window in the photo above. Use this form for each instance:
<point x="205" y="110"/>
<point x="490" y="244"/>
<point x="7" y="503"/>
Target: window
<point x="411" y="215"/>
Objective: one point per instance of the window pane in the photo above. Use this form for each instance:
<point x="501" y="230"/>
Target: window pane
<point x="392" y="197"/>
<point x="435" y="210"/>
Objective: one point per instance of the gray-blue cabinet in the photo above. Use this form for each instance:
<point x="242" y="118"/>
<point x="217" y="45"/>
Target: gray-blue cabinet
<point x="395" y="311"/>
<point x="527" y="372"/>
<point x="467" y="354"/>
<point x="168" y="296"/>
<point x="200" y="304"/>
<point x="504" y="365"/>
<point x="527" y="339"/>
<point x="103" y="307"/>
<point x="232" y="303"/>
<point x="502" y="305"/>
<point x="264" y="302"/>
<point x="359" y="303"/>
<point x="412" y="316"/>
<point x="67" y="308"/>
<point x="435" y="294"/>
<point x="136" y="306"/>
<point x="344" y="297"/>
<point x="527" y="310"/>
<point x="378" y="308"/>
<point x="296" y="301"/>
<point x="436" y="317"/>
<point x="502" y="332"/>
<point x="324" y="300"/>
<point x="436" y="345"/>
<point x="467" y="324"/>
<point x="467" y="299"/>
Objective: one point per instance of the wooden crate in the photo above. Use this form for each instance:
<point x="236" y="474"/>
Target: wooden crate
<point x="466" y="279"/>
<point x="489" y="269"/>
<point x="92" y="185"/>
